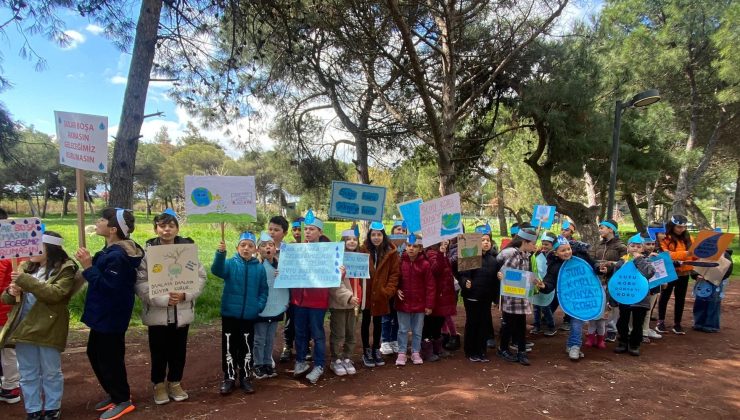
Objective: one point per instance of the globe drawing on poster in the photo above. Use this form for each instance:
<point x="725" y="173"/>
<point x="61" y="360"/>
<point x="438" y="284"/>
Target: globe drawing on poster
<point x="220" y="198"/>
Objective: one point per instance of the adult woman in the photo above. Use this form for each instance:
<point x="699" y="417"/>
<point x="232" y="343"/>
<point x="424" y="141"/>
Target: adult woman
<point x="677" y="242"/>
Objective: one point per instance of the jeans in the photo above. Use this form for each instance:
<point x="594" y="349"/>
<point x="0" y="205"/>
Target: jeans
<point x="707" y="310"/>
<point x="41" y="370"/>
<point x="678" y="288"/>
<point x="309" y="323"/>
<point x="413" y="322"/>
<point x="264" y="337"/>
<point x="288" y="329"/>
<point x="543" y="311"/>
<point x="576" y="332"/>
<point x="389" y="325"/>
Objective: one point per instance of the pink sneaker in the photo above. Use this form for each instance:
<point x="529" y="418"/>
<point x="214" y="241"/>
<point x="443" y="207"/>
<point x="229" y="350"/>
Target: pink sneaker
<point x="401" y="360"/>
<point x="416" y="358"/>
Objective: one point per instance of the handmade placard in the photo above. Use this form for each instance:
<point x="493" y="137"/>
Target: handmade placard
<point x="664" y="270"/>
<point x="441" y="219"/>
<point x="517" y="283"/>
<point x="579" y="291"/>
<point x="20" y="238"/>
<point x="710" y="245"/>
<point x="628" y="286"/>
<point x="357" y="265"/>
<point x="310" y="265"/>
<point x="83" y="140"/>
<point x="543" y="216"/>
<point x="714" y="275"/>
<point x="172" y="269"/>
<point x="399" y="241"/>
<point x="357" y="201"/>
<point x="469" y="251"/>
<point x="220" y="198"/>
<point x="411" y="214"/>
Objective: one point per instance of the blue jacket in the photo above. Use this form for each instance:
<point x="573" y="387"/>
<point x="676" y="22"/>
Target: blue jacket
<point x="245" y="286"/>
<point x="277" y="299"/>
<point x="110" y="287"/>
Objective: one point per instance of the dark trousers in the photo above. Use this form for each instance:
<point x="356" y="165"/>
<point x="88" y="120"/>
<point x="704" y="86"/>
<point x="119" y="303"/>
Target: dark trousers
<point x="237" y="341"/>
<point x="432" y="327"/>
<point x="106" y="353"/>
<point x="513" y="329"/>
<point x="477" y="317"/>
<point x="554" y="307"/>
<point x="168" y="346"/>
<point x="288" y="329"/>
<point x="365" y="329"/>
<point x="678" y="288"/>
<point x="309" y="323"/>
<point x="634" y="338"/>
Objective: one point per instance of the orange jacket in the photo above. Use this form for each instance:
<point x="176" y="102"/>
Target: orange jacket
<point x="678" y="252"/>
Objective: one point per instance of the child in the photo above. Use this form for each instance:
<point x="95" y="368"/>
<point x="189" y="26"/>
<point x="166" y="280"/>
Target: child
<point x="39" y="325"/>
<point x="562" y="252"/>
<point x="288" y="330"/>
<point x="277" y="303"/>
<point x="243" y="298"/>
<point x="384" y="274"/>
<point x="343" y="306"/>
<point x="515" y="310"/>
<point x="389" y="323"/>
<point x="415" y="299"/>
<point x="277" y="228"/>
<point x="607" y="252"/>
<point x="445" y="302"/>
<point x="111" y="278"/>
<point x="709" y="292"/>
<point x="10" y="392"/>
<point x="630" y="341"/>
<point x="648" y="250"/>
<point x="677" y="242"/>
<point x="540" y="263"/>
<point x="168" y="318"/>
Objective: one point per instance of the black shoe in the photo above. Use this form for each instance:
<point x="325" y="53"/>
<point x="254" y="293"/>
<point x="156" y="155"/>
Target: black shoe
<point x="271" y="372"/>
<point x="246" y="386"/>
<point x="634" y="351"/>
<point x="52" y="414"/>
<point x="286" y="354"/>
<point x="484" y="359"/>
<point x="454" y="343"/>
<point x="227" y="386"/>
<point x="621" y="348"/>
<point x="367" y="358"/>
<point x="611" y="336"/>
<point x="445" y="339"/>
<point x="506" y="355"/>
<point x="521" y="357"/>
<point x="491" y="343"/>
<point x="378" y="357"/>
<point x="34" y="416"/>
<point x="260" y="372"/>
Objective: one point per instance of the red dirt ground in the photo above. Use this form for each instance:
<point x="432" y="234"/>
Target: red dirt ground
<point x="693" y="376"/>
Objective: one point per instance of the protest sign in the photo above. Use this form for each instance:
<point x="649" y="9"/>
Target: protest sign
<point x="542" y="299"/>
<point x="714" y="275"/>
<point x="469" y="251"/>
<point x="441" y="219"/>
<point x="220" y="198"/>
<point x="310" y="265"/>
<point x="357" y="265"/>
<point x="517" y="283"/>
<point x="330" y="231"/>
<point x="399" y="241"/>
<point x="83" y="141"/>
<point x="628" y="286"/>
<point x="411" y="214"/>
<point x="357" y="201"/>
<point x="710" y="245"/>
<point x="664" y="270"/>
<point x="543" y="216"/>
<point x="579" y="291"/>
<point x="172" y="269"/>
<point x="654" y="231"/>
<point x="20" y="238"/>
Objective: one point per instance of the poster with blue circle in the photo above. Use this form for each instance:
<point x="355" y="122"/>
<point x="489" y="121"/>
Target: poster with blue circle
<point x="579" y="290"/>
<point x="627" y="286"/>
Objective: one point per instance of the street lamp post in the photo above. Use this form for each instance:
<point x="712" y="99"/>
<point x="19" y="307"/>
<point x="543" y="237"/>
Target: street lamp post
<point x="645" y="98"/>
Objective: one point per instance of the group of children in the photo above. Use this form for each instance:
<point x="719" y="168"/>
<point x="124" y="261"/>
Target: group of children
<point x="412" y="290"/>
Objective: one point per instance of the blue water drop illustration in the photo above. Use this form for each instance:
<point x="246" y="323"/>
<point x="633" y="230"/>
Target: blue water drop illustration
<point x="59" y="120"/>
<point x="25" y="221"/>
<point x="708" y="247"/>
<point x="101" y="126"/>
<point x="101" y="166"/>
<point x="33" y="234"/>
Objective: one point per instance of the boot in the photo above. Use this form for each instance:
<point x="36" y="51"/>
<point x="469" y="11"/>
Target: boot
<point x="621" y="347"/>
<point x="601" y="342"/>
<point x="445" y="339"/>
<point x="427" y="351"/>
<point x="454" y="343"/>
<point x="590" y="340"/>
<point x="439" y="349"/>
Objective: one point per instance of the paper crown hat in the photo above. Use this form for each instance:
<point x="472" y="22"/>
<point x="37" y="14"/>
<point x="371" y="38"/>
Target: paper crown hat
<point x="483" y="229"/>
<point x="247" y="236"/>
<point x="415" y="239"/>
<point x="561" y="240"/>
<point x="636" y="239"/>
<point x="349" y="233"/>
<point x="312" y="220"/>
<point x="377" y="226"/>
<point x="264" y="237"/>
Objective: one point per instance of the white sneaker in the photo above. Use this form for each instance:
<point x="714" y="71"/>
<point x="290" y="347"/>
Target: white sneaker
<point x="349" y="367"/>
<point x="653" y="334"/>
<point x="338" y="368"/>
<point x="394" y="346"/>
<point x="386" y="349"/>
<point x="315" y="374"/>
<point x="574" y="353"/>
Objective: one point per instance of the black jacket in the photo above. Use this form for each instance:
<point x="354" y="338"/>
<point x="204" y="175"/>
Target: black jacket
<point x="485" y="284"/>
<point x="553" y="269"/>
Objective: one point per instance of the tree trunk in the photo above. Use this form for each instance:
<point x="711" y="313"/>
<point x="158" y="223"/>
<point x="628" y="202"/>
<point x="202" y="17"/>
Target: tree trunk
<point x="635" y="212"/>
<point x="46" y="202"/>
<point x="650" y="195"/>
<point x="148" y="204"/>
<point x="134" y="101"/>
<point x="500" y="210"/>
<point x="65" y="203"/>
<point x="590" y="188"/>
<point x="697" y="216"/>
<point x="31" y="207"/>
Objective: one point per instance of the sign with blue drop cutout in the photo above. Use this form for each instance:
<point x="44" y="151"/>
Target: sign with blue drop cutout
<point x="579" y="290"/>
<point x="357" y="201"/>
<point x="628" y="286"/>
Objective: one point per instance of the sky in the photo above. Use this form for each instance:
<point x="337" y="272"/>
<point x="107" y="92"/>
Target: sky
<point x="89" y="76"/>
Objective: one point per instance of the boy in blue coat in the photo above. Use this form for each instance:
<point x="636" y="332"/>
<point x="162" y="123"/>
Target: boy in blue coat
<point x="244" y="297"/>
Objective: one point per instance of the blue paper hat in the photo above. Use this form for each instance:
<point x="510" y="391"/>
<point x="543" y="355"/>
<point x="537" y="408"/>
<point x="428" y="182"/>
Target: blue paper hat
<point x="312" y="220"/>
<point x="377" y="226"/>
<point x="514" y="230"/>
<point x="247" y="236"/>
<point x="561" y="240"/>
<point x="296" y="224"/>
<point x="264" y="237"/>
<point x="170" y="212"/>
<point x="357" y="231"/>
<point x="636" y="239"/>
<point x="400" y="222"/>
<point x="414" y="239"/>
<point x="349" y="233"/>
<point x="547" y="236"/>
<point x="567" y="224"/>
<point x="483" y="229"/>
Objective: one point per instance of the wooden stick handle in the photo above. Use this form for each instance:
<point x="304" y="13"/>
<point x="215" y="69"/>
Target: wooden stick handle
<point x="222" y="232"/>
<point x="16" y="268"/>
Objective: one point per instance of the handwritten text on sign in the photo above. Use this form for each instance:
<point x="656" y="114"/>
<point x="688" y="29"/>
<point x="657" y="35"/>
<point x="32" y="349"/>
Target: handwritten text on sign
<point x="441" y="219"/>
<point x="664" y="270"/>
<point x="220" y="198"/>
<point x="83" y="141"/>
<point x="310" y="265"/>
<point x="516" y="283"/>
<point x="628" y="286"/>
<point x="357" y="265"/>
<point x="172" y="268"/>
<point x="20" y="238"/>
<point x="579" y="290"/>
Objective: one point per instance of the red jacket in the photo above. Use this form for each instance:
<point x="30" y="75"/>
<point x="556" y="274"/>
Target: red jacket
<point x="6" y="267"/>
<point x="316" y="298"/>
<point x="445" y="298"/>
<point x="416" y="284"/>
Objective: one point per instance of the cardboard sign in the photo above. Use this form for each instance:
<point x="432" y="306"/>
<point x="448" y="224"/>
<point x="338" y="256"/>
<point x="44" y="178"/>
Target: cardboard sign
<point x="20" y="238"/>
<point x="517" y="283"/>
<point x="357" y="265"/>
<point x="664" y="270"/>
<point x="469" y="251"/>
<point x="220" y="198"/>
<point x="441" y="219"/>
<point x="710" y="245"/>
<point x="357" y="201"/>
<point x="172" y="268"/>
<point x="543" y="216"/>
<point x="411" y="214"/>
<point x="628" y="286"/>
<point x="310" y="265"/>
<point x="542" y="299"/>
<point x="83" y="141"/>
<point x="399" y="241"/>
<point x="579" y="290"/>
<point x="715" y="275"/>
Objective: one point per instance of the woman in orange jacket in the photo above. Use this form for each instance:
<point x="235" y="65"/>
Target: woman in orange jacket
<point x="677" y="242"/>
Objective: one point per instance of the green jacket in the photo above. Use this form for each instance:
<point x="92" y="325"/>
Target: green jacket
<point x="47" y="323"/>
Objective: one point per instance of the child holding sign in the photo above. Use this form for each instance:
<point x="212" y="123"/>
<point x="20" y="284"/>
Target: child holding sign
<point x="343" y="305"/>
<point x="39" y="324"/>
<point x="111" y="277"/>
<point x="445" y="302"/>
<point x="243" y="298"/>
<point x="167" y="317"/>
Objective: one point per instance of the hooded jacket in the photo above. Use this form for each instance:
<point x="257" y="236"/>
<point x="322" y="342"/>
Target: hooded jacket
<point x="110" y="287"/>
<point x="485" y="285"/>
<point x="245" y="286"/>
<point x="445" y="298"/>
<point x="612" y="250"/>
<point x="417" y="285"/>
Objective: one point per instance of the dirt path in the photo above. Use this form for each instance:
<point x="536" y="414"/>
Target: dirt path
<point x="693" y="376"/>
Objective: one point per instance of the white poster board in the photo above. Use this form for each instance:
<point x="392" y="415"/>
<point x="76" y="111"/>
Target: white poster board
<point x="220" y="198"/>
<point x="172" y="268"/>
<point x="83" y="140"/>
<point x="441" y="219"/>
